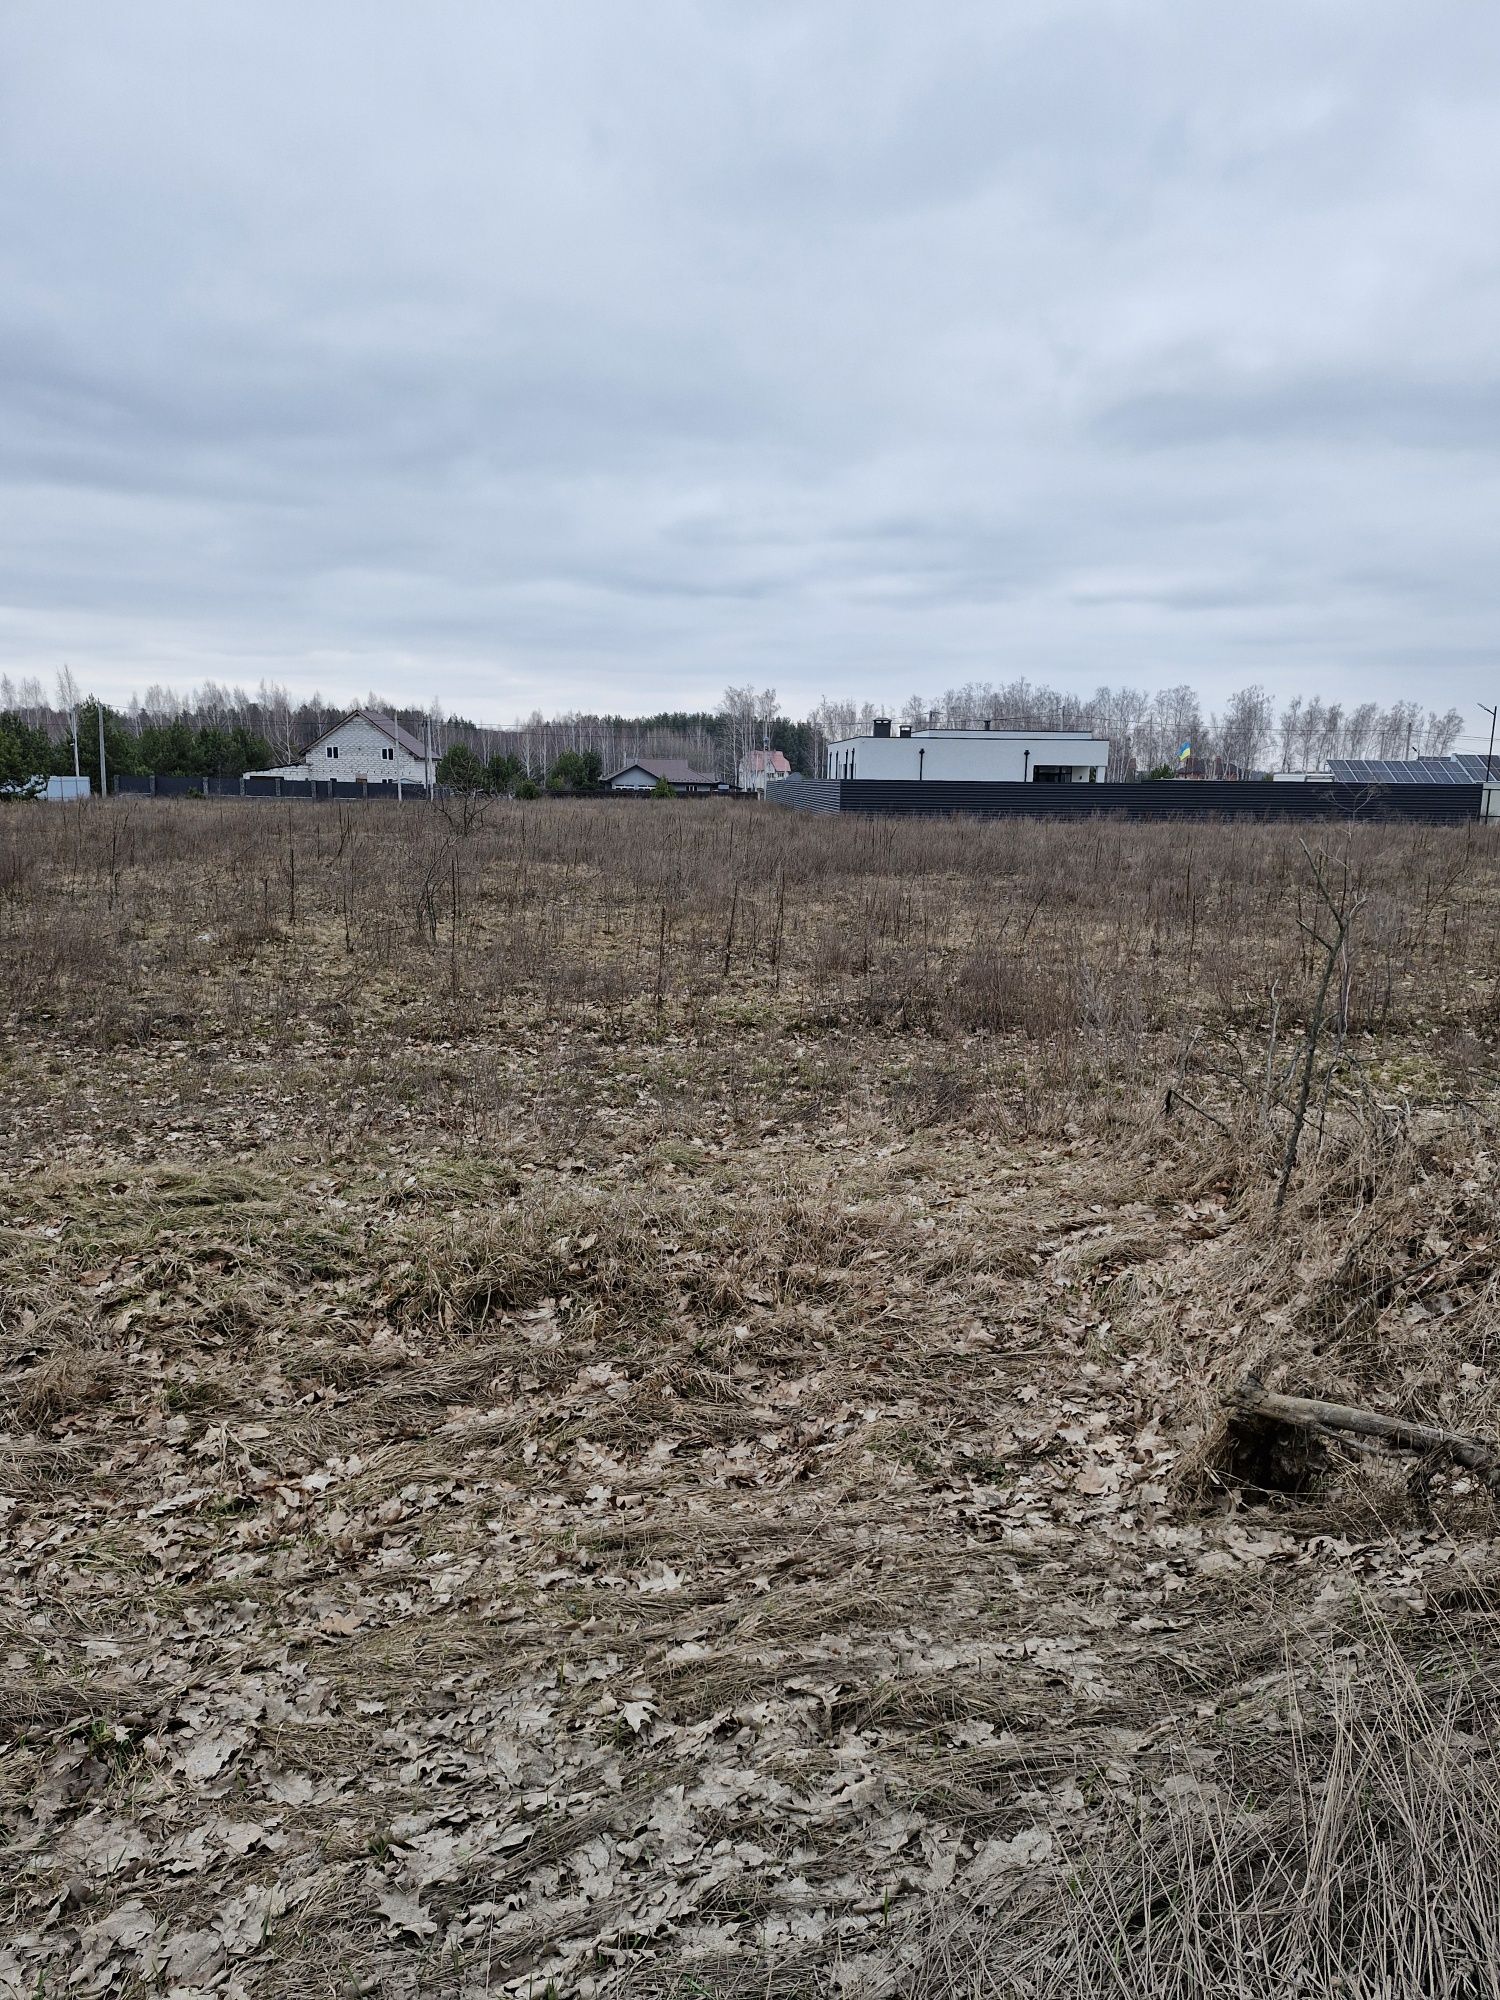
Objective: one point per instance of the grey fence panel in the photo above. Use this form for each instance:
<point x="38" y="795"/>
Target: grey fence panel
<point x="1141" y="800"/>
<point x="175" y="786"/>
<point x="818" y="795"/>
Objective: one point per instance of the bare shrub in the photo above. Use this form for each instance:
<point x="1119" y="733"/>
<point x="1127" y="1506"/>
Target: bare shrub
<point x="1024" y="926"/>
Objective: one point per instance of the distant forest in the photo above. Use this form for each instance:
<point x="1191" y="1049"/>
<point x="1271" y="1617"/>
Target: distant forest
<point x="224" y="731"/>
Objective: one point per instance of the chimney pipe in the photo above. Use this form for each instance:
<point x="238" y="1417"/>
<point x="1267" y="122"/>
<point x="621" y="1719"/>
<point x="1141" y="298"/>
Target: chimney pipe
<point x="882" y="726"/>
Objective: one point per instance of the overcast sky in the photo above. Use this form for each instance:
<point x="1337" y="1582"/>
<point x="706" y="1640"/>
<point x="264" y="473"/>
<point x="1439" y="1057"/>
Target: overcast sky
<point x="596" y="355"/>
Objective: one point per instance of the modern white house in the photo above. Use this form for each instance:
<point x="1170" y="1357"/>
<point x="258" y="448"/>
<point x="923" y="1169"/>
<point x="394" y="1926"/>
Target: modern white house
<point x="998" y="756"/>
<point x="758" y="768"/>
<point x="365" y="746"/>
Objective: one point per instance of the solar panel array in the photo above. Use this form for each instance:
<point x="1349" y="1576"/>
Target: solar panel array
<point x="1462" y="770"/>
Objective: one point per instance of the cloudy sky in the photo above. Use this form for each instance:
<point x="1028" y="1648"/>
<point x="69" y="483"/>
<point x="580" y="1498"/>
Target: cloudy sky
<point x="579" y="354"/>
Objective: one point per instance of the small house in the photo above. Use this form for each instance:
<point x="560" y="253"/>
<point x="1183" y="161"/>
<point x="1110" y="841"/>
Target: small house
<point x="644" y="774"/>
<point x="366" y="746"/>
<point x="369" y="746"/>
<point x="760" y="767"/>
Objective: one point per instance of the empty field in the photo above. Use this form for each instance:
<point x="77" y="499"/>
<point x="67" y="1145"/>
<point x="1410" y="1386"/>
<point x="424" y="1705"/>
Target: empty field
<point x="627" y="1400"/>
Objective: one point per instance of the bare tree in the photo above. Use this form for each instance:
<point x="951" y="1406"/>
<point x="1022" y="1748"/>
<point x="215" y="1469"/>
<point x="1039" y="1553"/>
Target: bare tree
<point x="737" y="714"/>
<point x="69" y="695"/>
<point x="1338" y="904"/>
<point x="1289" y="728"/>
<point x="1360" y="725"/>
<point x="1441" y="732"/>
<point x="1326" y="742"/>
<point x="1399" y="727"/>
<point x="1244" y="729"/>
<point x="1117" y="713"/>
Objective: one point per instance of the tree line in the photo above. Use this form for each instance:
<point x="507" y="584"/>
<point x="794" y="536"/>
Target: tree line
<point x="219" y="731"/>
<point x="1146" y="731"/>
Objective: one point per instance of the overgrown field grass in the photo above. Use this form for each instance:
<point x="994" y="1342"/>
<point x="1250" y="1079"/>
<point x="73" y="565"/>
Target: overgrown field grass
<point x="627" y="1399"/>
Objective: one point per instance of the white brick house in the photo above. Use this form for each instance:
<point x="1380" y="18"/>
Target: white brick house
<point x="366" y="745"/>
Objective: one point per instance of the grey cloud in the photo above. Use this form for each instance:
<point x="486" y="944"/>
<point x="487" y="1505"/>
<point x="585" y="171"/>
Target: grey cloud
<point x="1329" y="409"/>
<point x="601" y="356"/>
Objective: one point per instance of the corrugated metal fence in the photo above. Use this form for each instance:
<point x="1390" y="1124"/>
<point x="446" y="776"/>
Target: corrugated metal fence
<point x="1144" y="799"/>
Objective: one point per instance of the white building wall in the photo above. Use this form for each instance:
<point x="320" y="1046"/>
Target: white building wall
<point x="997" y="756"/>
<point x="633" y="780"/>
<point x="360" y="744"/>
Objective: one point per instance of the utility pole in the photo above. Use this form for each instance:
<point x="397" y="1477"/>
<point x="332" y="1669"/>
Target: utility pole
<point x="427" y="753"/>
<point x="103" y="777"/>
<point x="1489" y="761"/>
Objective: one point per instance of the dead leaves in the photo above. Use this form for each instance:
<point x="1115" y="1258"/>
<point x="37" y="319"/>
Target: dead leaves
<point x="503" y="1606"/>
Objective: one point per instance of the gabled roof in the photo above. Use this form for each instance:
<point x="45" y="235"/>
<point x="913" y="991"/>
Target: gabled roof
<point x="676" y="771"/>
<point x="403" y="738"/>
<point x="769" y="760"/>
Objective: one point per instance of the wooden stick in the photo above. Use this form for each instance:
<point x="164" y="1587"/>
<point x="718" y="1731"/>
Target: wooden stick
<point x="1250" y="1399"/>
<point x="1177" y="1095"/>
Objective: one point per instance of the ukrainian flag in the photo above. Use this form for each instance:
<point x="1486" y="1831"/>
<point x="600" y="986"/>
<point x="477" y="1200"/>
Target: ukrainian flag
<point x="1184" y="751"/>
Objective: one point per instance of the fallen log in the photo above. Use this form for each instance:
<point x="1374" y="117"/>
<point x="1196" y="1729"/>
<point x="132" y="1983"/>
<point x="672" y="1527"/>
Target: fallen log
<point x="1250" y="1399"/>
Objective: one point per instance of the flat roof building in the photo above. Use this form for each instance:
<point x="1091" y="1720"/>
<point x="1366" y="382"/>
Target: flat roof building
<point x="1000" y="756"/>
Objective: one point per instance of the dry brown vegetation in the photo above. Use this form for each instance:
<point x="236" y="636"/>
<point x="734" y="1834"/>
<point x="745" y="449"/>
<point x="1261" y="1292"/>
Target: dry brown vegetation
<point x="625" y="1399"/>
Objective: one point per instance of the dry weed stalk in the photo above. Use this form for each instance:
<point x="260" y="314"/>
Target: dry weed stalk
<point x="1355" y="1863"/>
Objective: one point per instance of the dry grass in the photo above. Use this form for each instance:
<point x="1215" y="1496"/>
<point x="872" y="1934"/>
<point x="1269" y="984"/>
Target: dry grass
<point x="1354" y="1859"/>
<point x="630" y="1400"/>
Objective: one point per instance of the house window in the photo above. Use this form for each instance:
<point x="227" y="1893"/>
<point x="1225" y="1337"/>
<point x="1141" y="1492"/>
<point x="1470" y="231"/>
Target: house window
<point x="332" y="750"/>
<point x="389" y="754"/>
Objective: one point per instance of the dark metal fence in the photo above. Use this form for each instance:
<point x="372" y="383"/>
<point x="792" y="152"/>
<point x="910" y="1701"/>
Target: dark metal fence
<point x="1143" y="799"/>
<point x="163" y="787"/>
